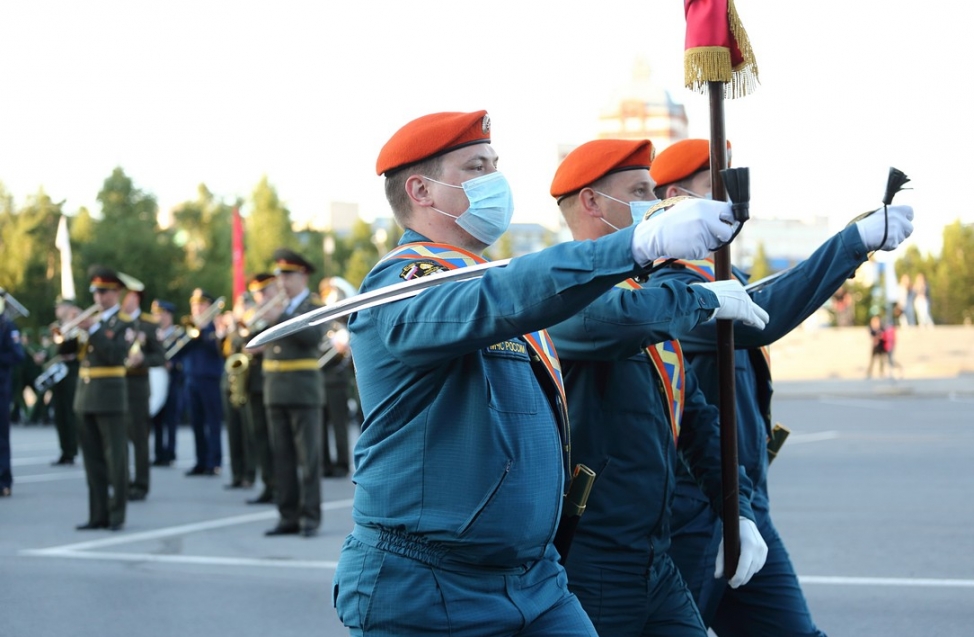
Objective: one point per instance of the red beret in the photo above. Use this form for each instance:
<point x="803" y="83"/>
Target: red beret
<point x="681" y="160"/>
<point x="431" y="136"/>
<point x="593" y="160"/>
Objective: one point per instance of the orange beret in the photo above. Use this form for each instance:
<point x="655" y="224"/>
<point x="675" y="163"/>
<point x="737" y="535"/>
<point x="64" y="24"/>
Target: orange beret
<point x="593" y="160"/>
<point x="682" y="159"/>
<point x="431" y="136"/>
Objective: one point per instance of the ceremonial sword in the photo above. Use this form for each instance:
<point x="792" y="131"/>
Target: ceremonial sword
<point x="373" y="298"/>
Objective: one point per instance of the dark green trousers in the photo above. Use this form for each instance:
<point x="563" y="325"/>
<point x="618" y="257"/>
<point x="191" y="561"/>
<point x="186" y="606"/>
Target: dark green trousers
<point x="62" y="397"/>
<point x="297" y="461"/>
<point x="105" y="452"/>
<point x="260" y="433"/>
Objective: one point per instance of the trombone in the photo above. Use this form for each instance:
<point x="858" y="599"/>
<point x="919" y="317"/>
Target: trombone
<point x="192" y="326"/>
<point x="256" y="322"/>
<point x="72" y="329"/>
<point x="7" y="300"/>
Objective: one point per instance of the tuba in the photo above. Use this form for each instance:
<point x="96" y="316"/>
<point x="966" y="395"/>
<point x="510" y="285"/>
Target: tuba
<point x="237" y="368"/>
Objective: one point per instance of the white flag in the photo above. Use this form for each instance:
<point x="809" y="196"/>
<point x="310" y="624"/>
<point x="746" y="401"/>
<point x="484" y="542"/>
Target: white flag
<point x="63" y="243"/>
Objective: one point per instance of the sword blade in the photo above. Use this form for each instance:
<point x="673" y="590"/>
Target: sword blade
<point x="373" y="298"/>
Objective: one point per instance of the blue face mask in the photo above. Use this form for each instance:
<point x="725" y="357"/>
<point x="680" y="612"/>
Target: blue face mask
<point x="638" y="209"/>
<point x="491" y="207"/>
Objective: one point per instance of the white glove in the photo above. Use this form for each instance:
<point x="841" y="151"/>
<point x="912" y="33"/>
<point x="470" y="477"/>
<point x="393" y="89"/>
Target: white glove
<point x="871" y="228"/>
<point x="689" y="230"/>
<point x="736" y="304"/>
<point x="753" y="553"/>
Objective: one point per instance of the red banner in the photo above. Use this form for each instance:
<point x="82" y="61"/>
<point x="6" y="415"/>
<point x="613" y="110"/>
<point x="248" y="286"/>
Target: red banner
<point x="239" y="280"/>
<point x="717" y="48"/>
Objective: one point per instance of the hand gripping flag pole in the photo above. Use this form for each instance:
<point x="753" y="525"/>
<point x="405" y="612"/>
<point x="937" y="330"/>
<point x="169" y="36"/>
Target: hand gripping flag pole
<point x="718" y="60"/>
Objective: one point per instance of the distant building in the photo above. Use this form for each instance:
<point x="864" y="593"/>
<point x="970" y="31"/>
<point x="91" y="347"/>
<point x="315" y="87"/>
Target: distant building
<point x="527" y="238"/>
<point x="643" y="110"/>
<point x="786" y="241"/>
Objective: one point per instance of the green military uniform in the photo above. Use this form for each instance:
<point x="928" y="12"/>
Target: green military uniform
<point x="239" y="438"/>
<point x="260" y="432"/>
<point x="62" y="398"/>
<point x="294" y="395"/>
<point x="101" y="405"/>
<point x="137" y="383"/>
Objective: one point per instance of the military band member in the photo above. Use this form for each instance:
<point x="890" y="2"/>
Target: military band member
<point x="338" y="374"/>
<point x="101" y="403"/>
<point x="463" y="459"/>
<point x="267" y="293"/>
<point x="294" y="395"/>
<point x="146" y="352"/>
<point x="62" y="393"/>
<point x="235" y="394"/>
<point x="203" y="366"/>
<point x="166" y="422"/>
<point x="11" y="354"/>
<point x="771" y="603"/>
<point x="636" y="412"/>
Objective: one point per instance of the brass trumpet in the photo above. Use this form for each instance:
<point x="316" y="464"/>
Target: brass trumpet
<point x="72" y="329"/>
<point x="255" y="321"/>
<point x="192" y="326"/>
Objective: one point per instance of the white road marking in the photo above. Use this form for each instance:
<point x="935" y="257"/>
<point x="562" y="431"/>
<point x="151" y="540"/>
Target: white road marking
<point x="26" y="462"/>
<point x="797" y="439"/>
<point x="887" y="581"/>
<point x="182" y="529"/>
<point x="188" y="559"/>
<point x="876" y="403"/>
<point x="49" y="477"/>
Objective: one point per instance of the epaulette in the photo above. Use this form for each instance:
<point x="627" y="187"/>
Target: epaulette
<point x="122" y="316"/>
<point x="417" y="269"/>
<point x="148" y="318"/>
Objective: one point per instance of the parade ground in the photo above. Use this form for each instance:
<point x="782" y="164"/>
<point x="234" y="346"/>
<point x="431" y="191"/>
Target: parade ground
<point x="871" y="492"/>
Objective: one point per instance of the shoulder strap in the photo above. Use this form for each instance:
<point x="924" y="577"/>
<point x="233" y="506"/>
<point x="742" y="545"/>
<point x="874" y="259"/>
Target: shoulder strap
<point x="667" y="359"/>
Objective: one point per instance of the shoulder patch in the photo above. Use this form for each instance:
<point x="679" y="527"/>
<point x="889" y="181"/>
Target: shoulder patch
<point x="416" y="269"/>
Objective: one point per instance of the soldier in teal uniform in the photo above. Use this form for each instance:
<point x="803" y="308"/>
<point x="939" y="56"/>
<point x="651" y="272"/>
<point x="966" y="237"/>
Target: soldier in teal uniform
<point x="101" y="403"/>
<point x="771" y="603"/>
<point x="293" y="395"/>
<point x="636" y="412"/>
<point x="145" y="352"/>
<point x="463" y="458"/>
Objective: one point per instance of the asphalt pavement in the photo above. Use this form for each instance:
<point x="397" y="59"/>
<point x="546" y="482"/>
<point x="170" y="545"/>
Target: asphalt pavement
<point x="871" y="493"/>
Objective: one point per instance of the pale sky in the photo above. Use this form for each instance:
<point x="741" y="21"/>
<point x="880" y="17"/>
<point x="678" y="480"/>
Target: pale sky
<point x="222" y="92"/>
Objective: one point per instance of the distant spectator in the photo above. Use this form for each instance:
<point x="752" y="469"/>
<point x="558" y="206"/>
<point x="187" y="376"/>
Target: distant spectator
<point x="877" y="345"/>
<point x="921" y="301"/>
<point x="844" y="308"/>
<point x="889" y="344"/>
<point x="904" y="300"/>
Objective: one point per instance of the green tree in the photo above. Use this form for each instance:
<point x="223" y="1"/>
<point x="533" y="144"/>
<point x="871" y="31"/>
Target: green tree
<point x="29" y="263"/>
<point x="951" y="282"/>
<point x="203" y="228"/>
<point x="128" y="238"/>
<point x="267" y="227"/>
<point x="761" y="266"/>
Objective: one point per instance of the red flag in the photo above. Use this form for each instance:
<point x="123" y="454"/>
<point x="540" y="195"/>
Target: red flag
<point x="239" y="280"/>
<point x="717" y="49"/>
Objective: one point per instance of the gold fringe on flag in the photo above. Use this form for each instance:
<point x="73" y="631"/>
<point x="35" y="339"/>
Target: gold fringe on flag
<point x="713" y="63"/>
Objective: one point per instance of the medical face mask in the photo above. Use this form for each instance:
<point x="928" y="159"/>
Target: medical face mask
<point x="491" y="207"/>
<point x="638" y="209"/>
